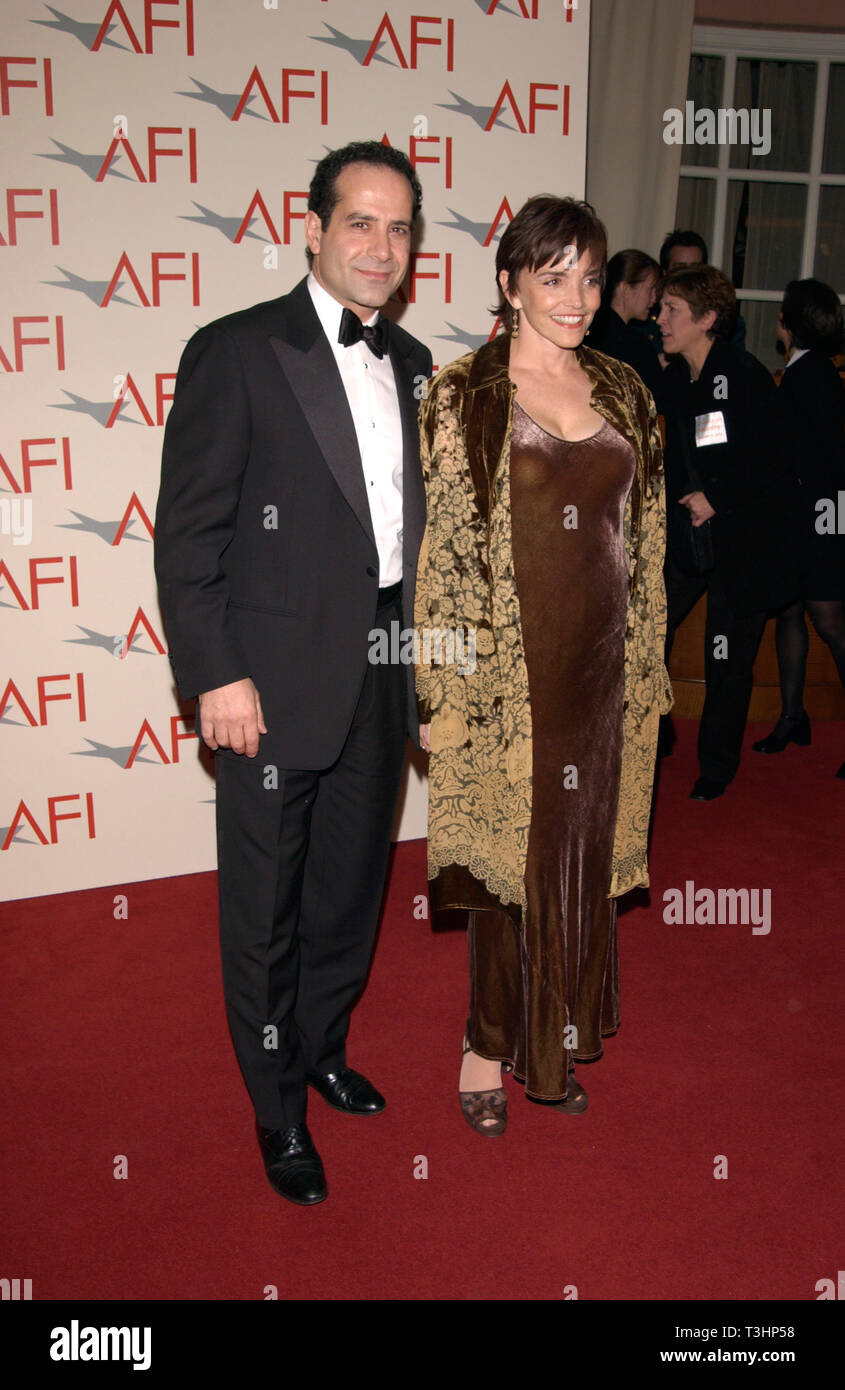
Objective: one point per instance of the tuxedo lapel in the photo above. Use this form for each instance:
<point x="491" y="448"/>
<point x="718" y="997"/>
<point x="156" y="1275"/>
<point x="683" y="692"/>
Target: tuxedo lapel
<point x="306" y="358"/>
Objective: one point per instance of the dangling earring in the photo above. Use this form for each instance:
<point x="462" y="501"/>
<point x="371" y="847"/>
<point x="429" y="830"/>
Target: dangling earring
<point x="515" y="328"/>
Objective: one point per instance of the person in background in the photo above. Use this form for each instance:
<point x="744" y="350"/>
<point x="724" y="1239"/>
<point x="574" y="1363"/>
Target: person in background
<point x="632" y="287"/>
<point x="680" y="249"/>
<point x="729" y="493"/>
<point x="811" y="390"/>
<point x="684" y="248"/>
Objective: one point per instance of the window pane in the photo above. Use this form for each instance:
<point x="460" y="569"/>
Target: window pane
<point x="696" y="201"/>
<point x="760" y="337"/>
<point x="830" y="239"/>
<point x="833" y="161"/>
<point x="764" y="232"/>
<point x="788" y="92"/>
<point x="706" y="76"/>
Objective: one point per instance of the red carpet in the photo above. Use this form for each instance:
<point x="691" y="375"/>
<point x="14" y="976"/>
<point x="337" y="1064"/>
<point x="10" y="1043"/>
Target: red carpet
<point x="116" y="1044"/>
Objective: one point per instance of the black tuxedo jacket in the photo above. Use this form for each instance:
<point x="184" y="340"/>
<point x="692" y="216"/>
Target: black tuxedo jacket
<point x="265" y="557"/>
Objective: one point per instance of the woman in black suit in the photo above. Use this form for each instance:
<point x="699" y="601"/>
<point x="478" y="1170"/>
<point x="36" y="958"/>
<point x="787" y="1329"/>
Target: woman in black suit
<point x="811" y="392"/>
<point x="730" y="503"/>
<point x="632" y="287"/>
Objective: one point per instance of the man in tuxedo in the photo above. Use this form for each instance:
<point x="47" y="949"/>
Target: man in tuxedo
<point x="289" y="520"/>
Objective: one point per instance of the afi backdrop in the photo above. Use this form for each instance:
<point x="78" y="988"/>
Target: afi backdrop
<point x="157" y="156"/>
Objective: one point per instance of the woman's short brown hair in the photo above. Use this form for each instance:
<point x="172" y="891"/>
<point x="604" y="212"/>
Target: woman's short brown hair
<point x="543" y="229"/>
<point x="704" y="287"/>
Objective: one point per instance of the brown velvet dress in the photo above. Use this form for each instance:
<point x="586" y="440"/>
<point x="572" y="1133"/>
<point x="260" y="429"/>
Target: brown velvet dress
<point x="547" y="991"/>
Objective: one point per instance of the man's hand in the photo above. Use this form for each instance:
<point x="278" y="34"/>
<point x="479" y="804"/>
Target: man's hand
<point x="698" y="507"/>
<point x="230" y="717"/>
<point x="425" y="737"/>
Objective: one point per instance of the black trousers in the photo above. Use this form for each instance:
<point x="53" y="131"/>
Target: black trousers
<point x="302" y="857"/>
<point x="731" y="643"/>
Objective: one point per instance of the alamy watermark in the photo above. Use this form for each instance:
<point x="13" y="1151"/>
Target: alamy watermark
<point x="690" y="906"/>
<point x="16" y="519"/>
<point x="427" y="646"/>
<point x="83" y="1343"/>
<point x="726" y="126"/>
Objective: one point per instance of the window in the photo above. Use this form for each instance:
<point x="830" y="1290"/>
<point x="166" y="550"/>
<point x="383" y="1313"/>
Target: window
<point x="779" y="214"/>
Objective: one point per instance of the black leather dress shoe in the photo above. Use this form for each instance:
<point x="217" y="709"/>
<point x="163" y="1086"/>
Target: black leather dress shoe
<point x="349" y="1091"/>
<point x="705" y="790"/>
<point x="293" y="1165"/>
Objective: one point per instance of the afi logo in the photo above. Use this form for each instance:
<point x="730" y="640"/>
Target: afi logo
<point x="502" y="211"/>
<point x="122" y="646"/>
<point x="147" y="731"/>
<point x="433" y="157"/>
<point x="257" y="206"/>
<point x="45" y="697"/>
<point x="117" y="14"/>
<point x="507" y="97"/>
<point x="7" y="82"/>
<point x="122" y="144"/>
<point x="15" y="214"/>
<point x="418" y="40"/>
<point x="28" y="463"/>
<point x="37" y="580"/>
<point x="415" y="275"/>
<point x="255" y="82"/>
<point x="21" y="341"/>
<point x="54" y="816"/>
<point x="157" y="277"/>
<point x="133" y="507"/>
<point x="124" y="386"/>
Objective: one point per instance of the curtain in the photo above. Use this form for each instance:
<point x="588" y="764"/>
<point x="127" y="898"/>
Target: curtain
<point x="639" y="65"/>
<point x="765" y="221"/>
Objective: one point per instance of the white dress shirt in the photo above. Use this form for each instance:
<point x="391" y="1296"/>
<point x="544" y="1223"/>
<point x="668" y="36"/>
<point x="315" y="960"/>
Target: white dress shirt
<point x="796" y="353"/>
<point x="371" y="392"/>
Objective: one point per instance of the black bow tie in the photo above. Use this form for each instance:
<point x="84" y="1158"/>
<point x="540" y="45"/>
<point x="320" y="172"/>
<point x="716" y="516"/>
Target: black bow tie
<point x="352" y="330"/>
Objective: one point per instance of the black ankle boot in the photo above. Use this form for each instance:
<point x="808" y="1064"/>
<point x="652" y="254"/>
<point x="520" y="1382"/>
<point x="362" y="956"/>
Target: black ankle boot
<point x="790" y="728"/>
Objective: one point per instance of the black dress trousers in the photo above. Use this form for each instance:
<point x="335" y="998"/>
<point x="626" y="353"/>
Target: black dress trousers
<point x="302" y="857"/>
<point x="728" y="665"/>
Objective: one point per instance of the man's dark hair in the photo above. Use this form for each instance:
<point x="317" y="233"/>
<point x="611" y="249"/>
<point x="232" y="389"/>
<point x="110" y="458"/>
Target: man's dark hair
<point x="541" y="232"/>
<point x="682" y="238"/>
<point x="813" y="314"/>
<point x="323" y="195"/>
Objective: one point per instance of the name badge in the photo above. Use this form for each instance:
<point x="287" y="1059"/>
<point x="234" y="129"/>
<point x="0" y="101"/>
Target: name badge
<point x="710" y="429"/>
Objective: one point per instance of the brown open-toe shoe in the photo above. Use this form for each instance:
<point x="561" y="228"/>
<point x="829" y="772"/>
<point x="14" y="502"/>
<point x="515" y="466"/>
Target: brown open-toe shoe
<point x="485" y="1111"/>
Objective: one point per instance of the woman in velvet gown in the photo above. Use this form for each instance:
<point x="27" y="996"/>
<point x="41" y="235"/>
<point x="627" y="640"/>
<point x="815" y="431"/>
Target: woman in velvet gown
<point x="545" y="540"/>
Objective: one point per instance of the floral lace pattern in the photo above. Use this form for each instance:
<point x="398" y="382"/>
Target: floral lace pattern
<point x="481" y="735"/>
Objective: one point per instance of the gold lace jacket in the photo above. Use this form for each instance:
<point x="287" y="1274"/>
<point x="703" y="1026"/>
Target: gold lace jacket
<point x="480" y="765"/>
